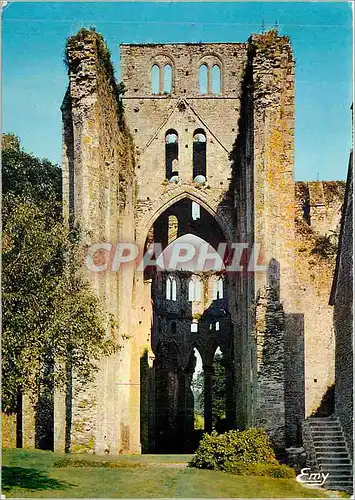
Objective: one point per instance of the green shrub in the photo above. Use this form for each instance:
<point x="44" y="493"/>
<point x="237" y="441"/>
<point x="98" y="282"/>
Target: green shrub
<point x="250" y="446"/>
<point x="259" y="469"/>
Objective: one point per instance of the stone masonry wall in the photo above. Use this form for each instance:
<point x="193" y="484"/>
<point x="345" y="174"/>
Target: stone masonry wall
<point x="314" y="276"/>
<point x="319" y="204"/>
<point x="99" y="191"/>
<point x="8" y="426"/>
<point x="272" y="214"/>
<point x="318" y="212"/>
<point x="315" y="249"/>
<point x="184" y="110"/>
<point x="342" y="300"/>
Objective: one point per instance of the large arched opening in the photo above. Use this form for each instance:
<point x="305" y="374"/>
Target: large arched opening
<point x="185" y="311"/>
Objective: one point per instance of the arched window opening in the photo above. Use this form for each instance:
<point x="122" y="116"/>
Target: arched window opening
<point x="171" y="288"/>
<point x="171" y="155"/>
<point x="168" y="79"/>
<point x="203" y="79"/>
<point x="217" y="292"/>
<point x="173" y="327"/>
<point x="195" y="290"/>
<point x="173" y="228"/>
<point x="155" y="79"/>
<point x="198" y="290"/>
<point x="216" y="79"/>
<point x="197" y="388"/>
<point x="199" y="156"/>
<point x="195" y="211"/>
<point x="191" y="290"/>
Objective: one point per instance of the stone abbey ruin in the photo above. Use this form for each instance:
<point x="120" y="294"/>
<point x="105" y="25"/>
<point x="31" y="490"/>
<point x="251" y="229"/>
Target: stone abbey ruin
<point x="200" y="147"/>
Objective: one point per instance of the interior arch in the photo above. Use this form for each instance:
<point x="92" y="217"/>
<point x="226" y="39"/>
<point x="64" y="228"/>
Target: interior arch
<point x="159" y="209"/>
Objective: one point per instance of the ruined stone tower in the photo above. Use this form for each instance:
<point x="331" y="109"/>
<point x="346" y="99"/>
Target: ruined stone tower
<point x="205" y="152"/>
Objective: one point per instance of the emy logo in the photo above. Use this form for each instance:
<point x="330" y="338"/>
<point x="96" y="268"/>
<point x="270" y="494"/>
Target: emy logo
<point x="312" y="478"/>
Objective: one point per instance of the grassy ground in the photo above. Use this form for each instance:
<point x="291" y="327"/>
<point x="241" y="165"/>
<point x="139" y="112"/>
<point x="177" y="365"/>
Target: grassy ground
<point x="33" y="474"/>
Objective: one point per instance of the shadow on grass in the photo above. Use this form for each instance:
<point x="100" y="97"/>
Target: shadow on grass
<point x="30" y="479"/>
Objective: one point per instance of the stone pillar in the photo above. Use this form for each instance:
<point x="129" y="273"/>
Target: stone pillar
<point x="28" y="423"/>
<point x="230" y="406"/>
<point x="161" y="79"/>
<point x="190" y="408"/>
<point x="182" y="406"/>
<point x="208" y="372"/>
<point x="151" y="408"/>
<point x="60" y="419"/>
<point x="209" y="80"/>
<point x="270" y="410"/>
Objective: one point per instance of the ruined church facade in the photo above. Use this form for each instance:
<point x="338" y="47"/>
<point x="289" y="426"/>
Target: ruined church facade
<point x="204" y="151"/>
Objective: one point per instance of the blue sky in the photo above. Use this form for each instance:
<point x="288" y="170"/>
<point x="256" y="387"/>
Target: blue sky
<point x="34" y="77"/>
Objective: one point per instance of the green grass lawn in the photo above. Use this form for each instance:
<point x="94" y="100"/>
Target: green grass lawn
<point x="33" y="474"/>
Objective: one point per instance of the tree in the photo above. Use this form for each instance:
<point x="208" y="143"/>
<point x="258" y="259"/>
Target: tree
<point x="24" y="175"/>
<point x="218" y="389"/>
<point x="10" y="141"/>
<point x="51" y="317"/>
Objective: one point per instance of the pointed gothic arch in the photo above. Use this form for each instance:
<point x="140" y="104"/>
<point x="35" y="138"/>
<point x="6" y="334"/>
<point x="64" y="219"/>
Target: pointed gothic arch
<point x="159" y="208"/>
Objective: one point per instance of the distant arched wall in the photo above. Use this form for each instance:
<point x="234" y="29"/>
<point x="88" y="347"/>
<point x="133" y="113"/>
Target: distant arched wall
<point x="224" y="221"/>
